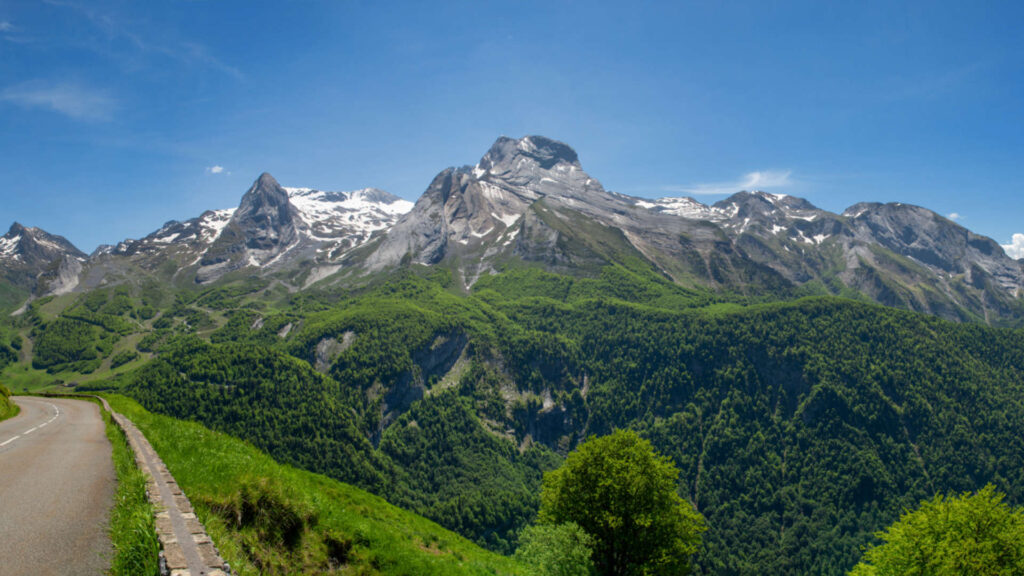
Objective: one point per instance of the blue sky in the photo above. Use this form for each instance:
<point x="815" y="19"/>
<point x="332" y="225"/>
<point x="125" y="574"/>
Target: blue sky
<point x="117" y="116"/>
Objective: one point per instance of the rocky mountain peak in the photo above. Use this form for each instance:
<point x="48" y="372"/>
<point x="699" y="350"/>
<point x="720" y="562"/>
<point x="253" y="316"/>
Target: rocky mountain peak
<point x="264" y="225"/>
<point x="16" y="229"/>
<point x="36" y="244"/>
<point x="27" y="252"/>
<point x="267" y="180"/>
<point x="375" y="195"/>
<point x="264" y="198"/>
<point x="510" y="154"/>
<point x="758" y="201"/>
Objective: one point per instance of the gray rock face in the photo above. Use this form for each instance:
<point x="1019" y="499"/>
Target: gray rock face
<point x="272" y="229"/>
<point x="264" y="226"/>
<point x="529" y="199"/>
<point x="265" y="220"/>
<point x="26" y="253"/>
<point x="477" y="213"/>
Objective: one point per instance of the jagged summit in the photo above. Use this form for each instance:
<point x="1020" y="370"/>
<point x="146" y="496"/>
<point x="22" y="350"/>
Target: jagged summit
<point x="545" y="152"/>
<point x="529" y="201"/>
<point x="271" y="227"/>
<point x="466" y="210"/>
<point x="266" y="180"/>
<point x="265" y="219"/>
<point x="758" y="200"/>
<point x="29" y="243"/>
<point x="27" y="253"/>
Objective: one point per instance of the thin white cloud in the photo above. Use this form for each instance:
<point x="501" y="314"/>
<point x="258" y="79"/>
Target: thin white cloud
<point x="6" y="26"/>
<point x="214" y="169"/>
<point x="1015" y="249"/>
<point x="73" y="100"/>
<point x="761" y="180"/>
<point x="954" y="216"/>
<point x="141" y="41"/>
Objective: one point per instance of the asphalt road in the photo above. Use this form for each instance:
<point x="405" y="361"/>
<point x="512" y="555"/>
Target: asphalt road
<point x="57" y="485"/>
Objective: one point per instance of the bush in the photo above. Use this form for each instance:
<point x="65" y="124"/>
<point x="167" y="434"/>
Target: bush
<point x="972" y="534"/>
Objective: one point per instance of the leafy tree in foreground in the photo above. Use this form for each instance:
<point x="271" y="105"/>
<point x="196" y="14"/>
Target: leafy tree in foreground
<point x="556" y="550"/>
<point x="622" y="493"/>
<point x="975" y="535"/>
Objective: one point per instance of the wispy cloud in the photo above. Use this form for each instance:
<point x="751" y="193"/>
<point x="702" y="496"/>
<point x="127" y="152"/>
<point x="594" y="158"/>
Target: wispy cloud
<point x="761" y="180"/>
<point x="130" y="42"/>
<point x="954" y="216"/>
<point x="15" y="34"/>
<point x="75" y="101"/>
<point x="1015" y="249"/>
<point x="215" y="169"/>
<point x="191" y="51"/>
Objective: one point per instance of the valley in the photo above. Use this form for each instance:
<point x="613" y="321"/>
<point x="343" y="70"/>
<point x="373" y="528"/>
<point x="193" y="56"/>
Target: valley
<point x="811" y="374"/>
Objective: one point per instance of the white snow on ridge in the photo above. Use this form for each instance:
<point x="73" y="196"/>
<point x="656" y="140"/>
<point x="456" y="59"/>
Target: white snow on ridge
<point x="48" y="244"/>
<point x="213" y="224"/>
<point x="817" y="239"/>
<point x="167" y="239"/>
<point x="356" y="211"/>
<point x="340" y="221"/>
<point x="507" y="219"/>
<point x="684" y="207"/>
<point x="8" y="246"/>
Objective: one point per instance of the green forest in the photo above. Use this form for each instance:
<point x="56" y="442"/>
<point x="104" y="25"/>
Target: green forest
<point x="799" y="428"/>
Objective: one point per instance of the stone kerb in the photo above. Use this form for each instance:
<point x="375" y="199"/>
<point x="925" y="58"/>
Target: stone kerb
<point x="186" y="549"/>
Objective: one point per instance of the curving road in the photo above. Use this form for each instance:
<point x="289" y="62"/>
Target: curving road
<point x="57" y="485"/>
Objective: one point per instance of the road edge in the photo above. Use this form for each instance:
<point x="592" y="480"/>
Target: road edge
<point x="186" y="548"/>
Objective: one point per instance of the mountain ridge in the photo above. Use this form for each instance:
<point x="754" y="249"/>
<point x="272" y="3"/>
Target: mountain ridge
<point x="529" y="202"/>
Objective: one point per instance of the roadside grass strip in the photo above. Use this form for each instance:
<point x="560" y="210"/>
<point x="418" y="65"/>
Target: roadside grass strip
<point x="132" y="527"/>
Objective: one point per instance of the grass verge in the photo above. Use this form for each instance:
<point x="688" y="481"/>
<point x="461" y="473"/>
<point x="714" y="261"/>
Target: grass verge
<point x="8" y="409"/>
<point x="132" y="528"/>
<point x="269" y="518"/>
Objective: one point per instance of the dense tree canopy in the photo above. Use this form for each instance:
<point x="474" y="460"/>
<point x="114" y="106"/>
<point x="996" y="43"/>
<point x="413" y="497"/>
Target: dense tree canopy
<point x="621" y="492"/>
<point x="556" y="550"/>
<point x="800" y="428"/>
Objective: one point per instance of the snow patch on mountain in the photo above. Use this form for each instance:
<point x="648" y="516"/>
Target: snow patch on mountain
<point x="9" y="246"/>
<point x="331" y="215"/>
<point x="685" y="208"/>
<point x="212" y="223"/>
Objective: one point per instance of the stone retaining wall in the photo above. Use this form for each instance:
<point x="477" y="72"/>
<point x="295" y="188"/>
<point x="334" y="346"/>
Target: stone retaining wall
<point x="186" y="549"/>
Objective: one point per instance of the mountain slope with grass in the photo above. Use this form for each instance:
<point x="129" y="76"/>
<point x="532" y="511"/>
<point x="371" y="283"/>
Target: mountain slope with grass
<point x="810" y="373"/>
<point x="800" y="428"/>
<point x="7" y="407"/>
<point x="272" y="518"/>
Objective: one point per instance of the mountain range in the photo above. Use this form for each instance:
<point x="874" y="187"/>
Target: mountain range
<point x="446" y="354"/>
<point x="528" y="202"/>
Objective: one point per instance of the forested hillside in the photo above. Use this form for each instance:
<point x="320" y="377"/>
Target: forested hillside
<point x="268" y="518"/>
<point x="800" y="427"/>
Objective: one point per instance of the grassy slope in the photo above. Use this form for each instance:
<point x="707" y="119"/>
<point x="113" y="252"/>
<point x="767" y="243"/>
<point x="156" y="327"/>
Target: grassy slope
<point x="7" y="408"/>
<point x="132" y="528"/>
<point x="273" y="518"/>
